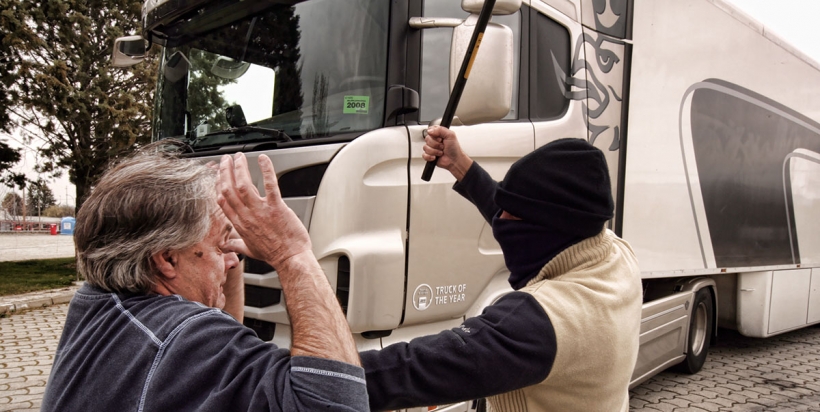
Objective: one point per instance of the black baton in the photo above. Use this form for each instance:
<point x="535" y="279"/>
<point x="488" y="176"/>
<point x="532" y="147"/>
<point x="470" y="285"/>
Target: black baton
<point x="463" y="74"/>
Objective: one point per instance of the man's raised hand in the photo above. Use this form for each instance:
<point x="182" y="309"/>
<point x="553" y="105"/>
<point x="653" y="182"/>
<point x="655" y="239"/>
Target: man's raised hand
<point x="270" y="229"/>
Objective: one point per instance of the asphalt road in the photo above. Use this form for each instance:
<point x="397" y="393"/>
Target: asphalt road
<point x="741" y="374"/>
<point x="26" y="246"/>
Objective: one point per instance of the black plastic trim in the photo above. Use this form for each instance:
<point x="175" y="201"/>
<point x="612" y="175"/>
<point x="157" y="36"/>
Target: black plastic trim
<point x="412" y="55"/>
<point x="630" y="18"/>
<point x="396" y="44"/>
<point x="257" y="267"/>
<point x="524" y="44"/>
<point x="535" y="74"/>
<point x="376" y="334"/>
<point x="400" y="66"/>
<point x="168" y="22"/>
<point x="619" y="195"/>
<point x="261" y="297"/>
<point x="304" y="181"/>
<point x="167" y="12"/>
<point x="400" y="100"/>
<point x="343" y="282"/>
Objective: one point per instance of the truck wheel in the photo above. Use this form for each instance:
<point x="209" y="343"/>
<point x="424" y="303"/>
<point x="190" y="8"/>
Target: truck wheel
<point x="701" y="326"/>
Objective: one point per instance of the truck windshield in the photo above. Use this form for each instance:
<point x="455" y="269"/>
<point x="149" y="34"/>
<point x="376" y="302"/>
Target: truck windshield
<point x="292" y="72"/>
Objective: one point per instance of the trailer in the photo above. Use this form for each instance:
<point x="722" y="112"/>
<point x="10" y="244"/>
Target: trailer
<point x="710" y="126"/>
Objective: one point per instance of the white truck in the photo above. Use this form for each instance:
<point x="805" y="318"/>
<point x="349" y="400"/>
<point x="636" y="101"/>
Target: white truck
<point x="710" y="125"/>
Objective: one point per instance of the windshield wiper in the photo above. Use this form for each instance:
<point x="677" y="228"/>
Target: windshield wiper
<point x="239" y="133"/>
<point x="277" y="134"/>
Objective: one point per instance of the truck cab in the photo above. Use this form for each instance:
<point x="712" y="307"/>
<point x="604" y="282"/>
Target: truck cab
<point x="338" y="94"/>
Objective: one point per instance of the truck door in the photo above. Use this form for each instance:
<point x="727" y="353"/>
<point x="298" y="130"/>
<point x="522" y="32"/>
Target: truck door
<point x="452" y="256"/>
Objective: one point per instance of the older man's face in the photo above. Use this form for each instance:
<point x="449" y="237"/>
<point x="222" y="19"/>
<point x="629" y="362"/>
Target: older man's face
<point x="203" y="267"/>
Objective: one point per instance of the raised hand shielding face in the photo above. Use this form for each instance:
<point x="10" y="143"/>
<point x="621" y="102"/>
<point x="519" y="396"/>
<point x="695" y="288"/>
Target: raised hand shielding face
<point x="270" y="229"/>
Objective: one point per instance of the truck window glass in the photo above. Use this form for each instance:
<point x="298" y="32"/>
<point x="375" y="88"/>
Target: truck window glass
<point x="551" y="47"/>
<point x="313" y="70"/>
<point x="435" y="66"/>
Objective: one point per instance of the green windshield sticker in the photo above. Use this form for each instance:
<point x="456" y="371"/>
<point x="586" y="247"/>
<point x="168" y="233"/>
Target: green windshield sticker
<point x="356" y="105"/>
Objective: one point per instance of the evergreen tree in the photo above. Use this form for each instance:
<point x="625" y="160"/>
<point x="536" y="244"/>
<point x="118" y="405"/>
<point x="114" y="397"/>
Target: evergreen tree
<point x="13" y="204"/>
<point x="7" y="66"/>
<point x="39" y="196"/>
<point x="8" y="157"/>
<point x="205" y="101"/>
<point x="62" y="88"/>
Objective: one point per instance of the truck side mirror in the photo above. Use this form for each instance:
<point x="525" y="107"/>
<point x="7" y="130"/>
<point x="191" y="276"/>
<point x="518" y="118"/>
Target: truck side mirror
<point x="501" y="7"/>
<point x="128" y="51"/>
<point x="177" y="67"/>
<point x="487" y="95"/>
<point x="228" y="68"/>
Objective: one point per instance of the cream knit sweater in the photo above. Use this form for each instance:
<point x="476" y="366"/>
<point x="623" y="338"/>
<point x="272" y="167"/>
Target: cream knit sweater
<point x="592" y="294"/>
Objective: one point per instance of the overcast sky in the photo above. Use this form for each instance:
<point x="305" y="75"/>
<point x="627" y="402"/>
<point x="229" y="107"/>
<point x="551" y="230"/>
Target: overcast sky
<point x="796" y="21"/>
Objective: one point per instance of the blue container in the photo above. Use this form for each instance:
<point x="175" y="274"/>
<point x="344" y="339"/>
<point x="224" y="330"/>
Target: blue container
<point x="67" y="226"/>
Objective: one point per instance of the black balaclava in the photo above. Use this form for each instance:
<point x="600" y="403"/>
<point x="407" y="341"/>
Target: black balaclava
<point x="561" y="193"/>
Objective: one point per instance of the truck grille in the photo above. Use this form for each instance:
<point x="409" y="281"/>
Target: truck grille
<point x="259" y="297"/>
<point x="262" y="328"/>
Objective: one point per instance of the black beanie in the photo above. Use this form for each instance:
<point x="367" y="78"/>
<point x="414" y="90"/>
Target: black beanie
<point x="563" y="185"/>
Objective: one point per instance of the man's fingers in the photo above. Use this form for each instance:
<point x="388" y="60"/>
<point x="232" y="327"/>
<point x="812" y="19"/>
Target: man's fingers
<point x="434" y="141"/>
<point x="269" y="180"/>
<point x="237" y="246"/>
<point x="225" y="180"/>
<point x="432" y="152"/>
<point x="242" y="178"/>
<point x="226" y="184"/>
<point x="440" y="133"/>
<point x="233" y="206"/>
<point x="226" y="207"/>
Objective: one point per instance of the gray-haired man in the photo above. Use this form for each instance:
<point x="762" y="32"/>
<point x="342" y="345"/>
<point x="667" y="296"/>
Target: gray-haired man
<point x="147" y="331"/>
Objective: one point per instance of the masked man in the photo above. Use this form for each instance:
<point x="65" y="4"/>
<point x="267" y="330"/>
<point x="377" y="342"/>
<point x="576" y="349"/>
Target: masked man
<point x="567" y="338"/>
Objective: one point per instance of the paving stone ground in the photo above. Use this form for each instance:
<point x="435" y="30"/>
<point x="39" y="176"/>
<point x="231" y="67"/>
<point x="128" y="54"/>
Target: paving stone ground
<point x="27" y="344"/>
<point x="780" y="374"/>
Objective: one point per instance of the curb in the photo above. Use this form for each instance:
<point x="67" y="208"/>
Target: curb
<point x="10" y="305"/>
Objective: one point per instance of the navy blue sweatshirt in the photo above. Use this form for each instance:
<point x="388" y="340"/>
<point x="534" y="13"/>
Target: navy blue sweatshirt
<point x="164" y="353"/>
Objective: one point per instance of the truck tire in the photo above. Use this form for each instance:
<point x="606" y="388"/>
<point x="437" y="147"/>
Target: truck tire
<point x="701" y="328"/>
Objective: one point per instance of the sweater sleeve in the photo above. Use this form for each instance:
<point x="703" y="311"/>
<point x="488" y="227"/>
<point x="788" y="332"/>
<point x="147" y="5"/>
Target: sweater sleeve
<point x="479" y="188"/>
<point x="217" y="364"/>
<point x="510" y="346"/>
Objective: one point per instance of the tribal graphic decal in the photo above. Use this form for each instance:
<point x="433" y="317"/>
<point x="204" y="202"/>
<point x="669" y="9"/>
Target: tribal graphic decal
<point x="610" y="16"/>
<point x="596" y="79"/>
